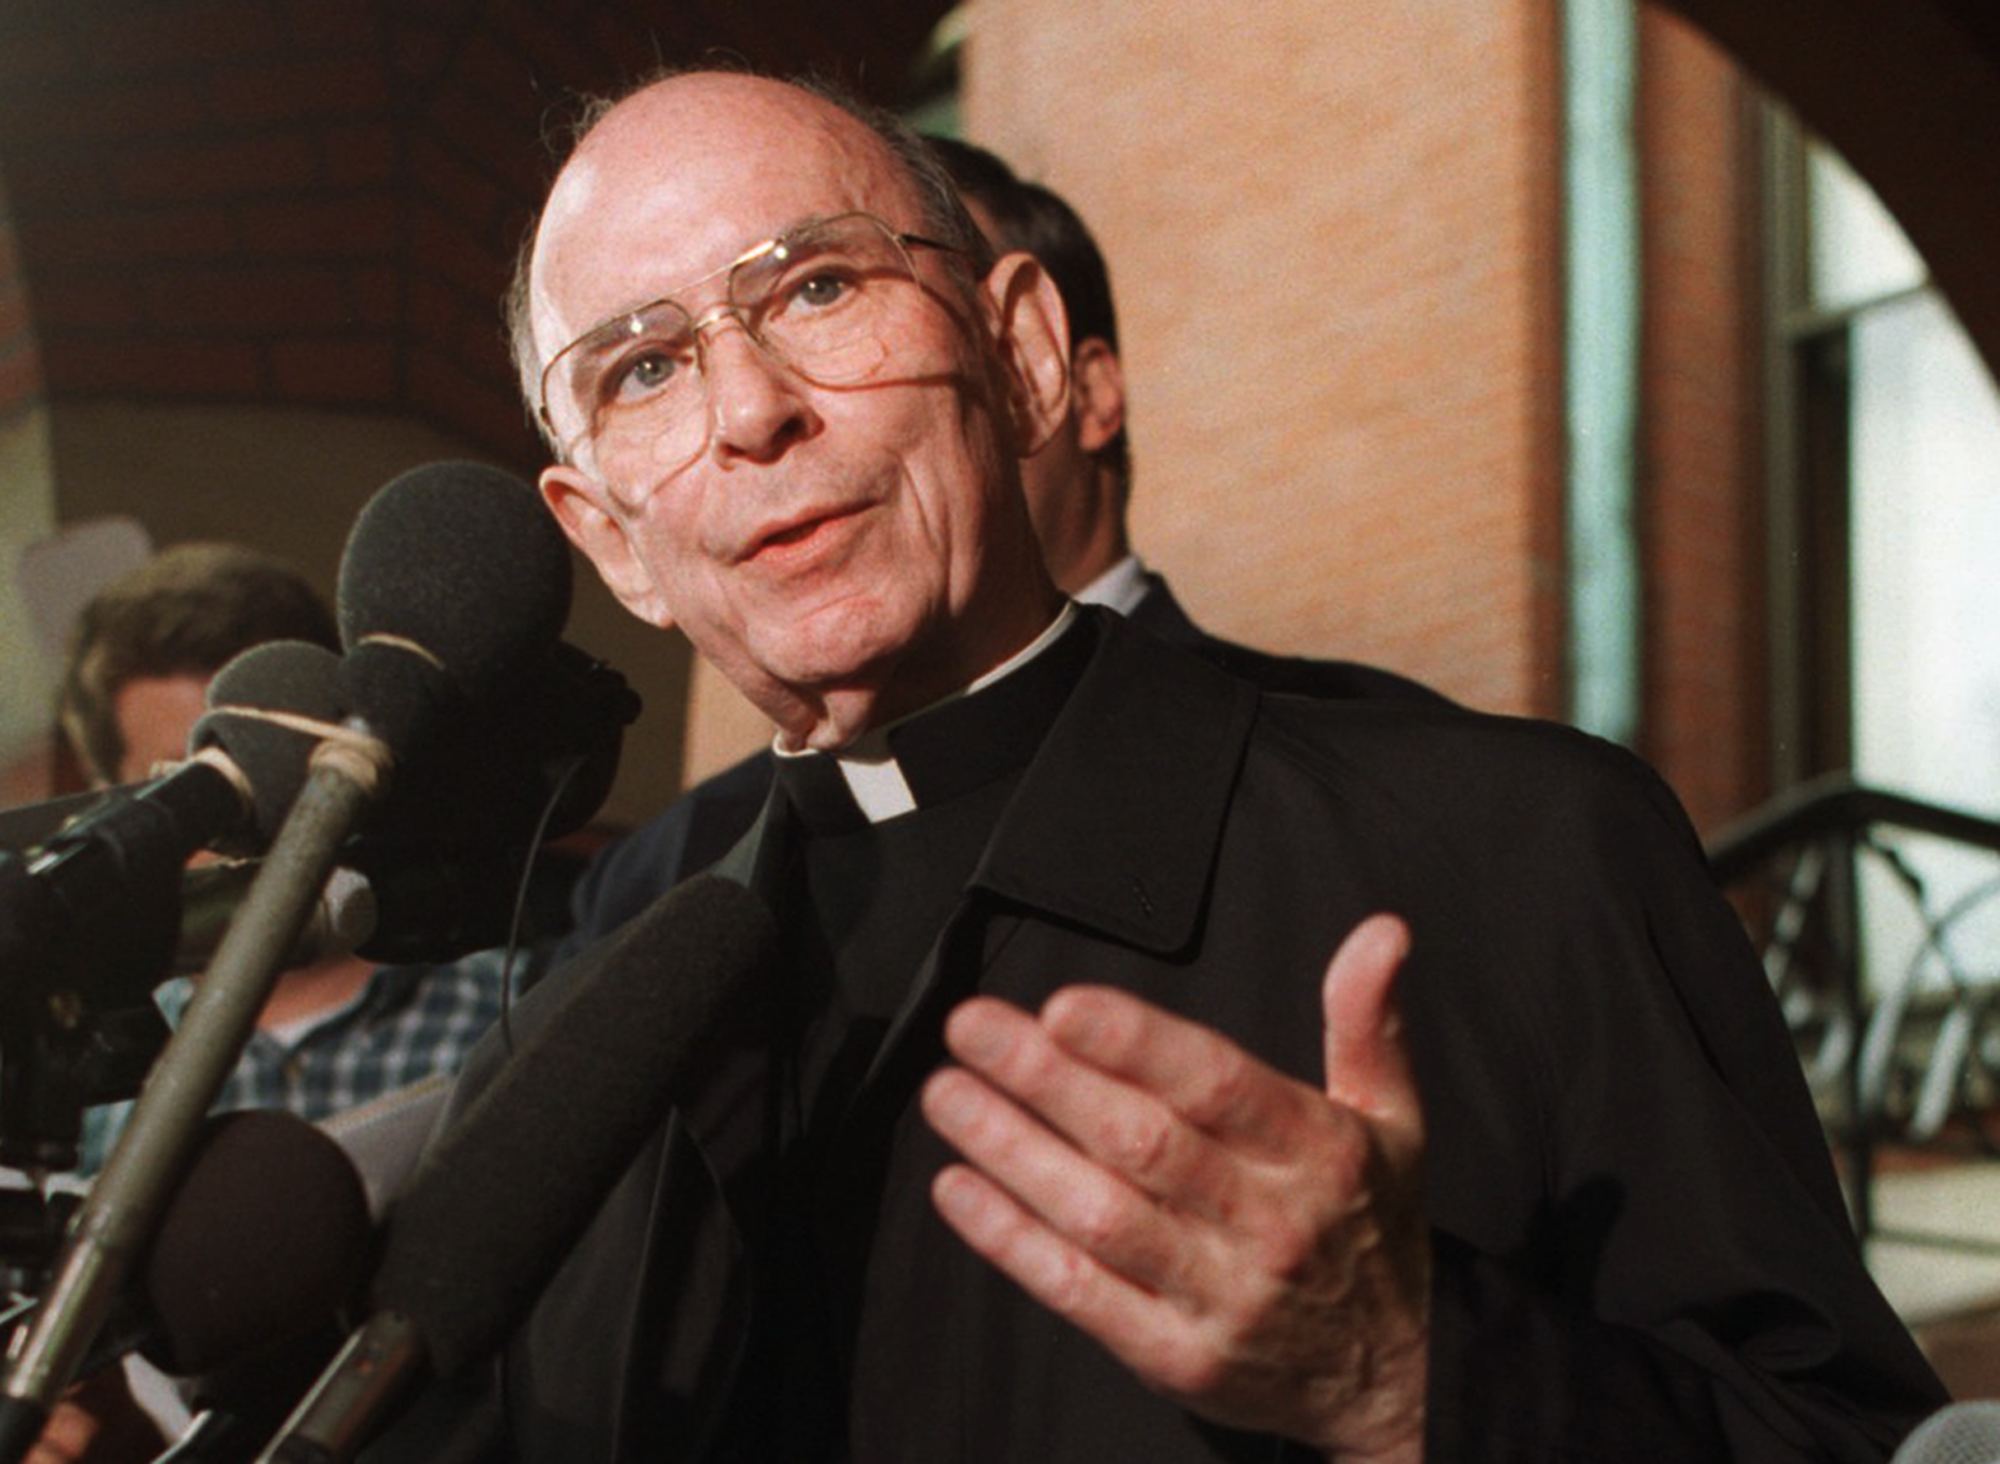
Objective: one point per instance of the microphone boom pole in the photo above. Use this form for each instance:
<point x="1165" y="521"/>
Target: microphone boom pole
<point x="125" y="1202"/>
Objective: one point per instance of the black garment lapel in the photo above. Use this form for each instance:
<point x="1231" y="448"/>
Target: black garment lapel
<point x="1159" y="613"/>
<point x="1116" y="823"/>
<point x="1115" y="826"/>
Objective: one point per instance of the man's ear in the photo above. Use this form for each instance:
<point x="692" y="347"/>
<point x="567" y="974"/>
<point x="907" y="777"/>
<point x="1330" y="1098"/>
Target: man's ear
<point x="1032" y="330"/>
<point x="583" y="508"/>
<point x="1097" y="384"/>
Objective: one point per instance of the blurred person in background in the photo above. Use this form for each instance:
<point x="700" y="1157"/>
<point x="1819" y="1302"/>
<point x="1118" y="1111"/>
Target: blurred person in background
<point x="340" y="1031"/>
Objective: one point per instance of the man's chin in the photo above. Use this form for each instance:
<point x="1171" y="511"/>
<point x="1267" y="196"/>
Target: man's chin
<point x="838" y="644"/>
<point x="853" y="663"/>
<point x="811" y="689"/>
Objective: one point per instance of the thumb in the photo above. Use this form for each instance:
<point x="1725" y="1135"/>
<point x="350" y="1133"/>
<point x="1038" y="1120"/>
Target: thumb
<point x="1367" y="1061"/>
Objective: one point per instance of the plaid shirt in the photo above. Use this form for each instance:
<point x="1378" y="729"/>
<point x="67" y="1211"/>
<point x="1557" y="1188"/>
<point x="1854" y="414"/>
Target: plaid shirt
<point x="407" y="1023"/>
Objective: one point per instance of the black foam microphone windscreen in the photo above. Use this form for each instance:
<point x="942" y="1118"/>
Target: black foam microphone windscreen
<point x="286" y="676"/>
<point x="631" y="1026"/>
<point x="536" y="758"/>
<point x="461" y="559"/>
<point x="266" y="1236"/>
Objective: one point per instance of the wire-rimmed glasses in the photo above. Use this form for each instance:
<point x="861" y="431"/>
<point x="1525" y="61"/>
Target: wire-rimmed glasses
<point x="825" y="298"/>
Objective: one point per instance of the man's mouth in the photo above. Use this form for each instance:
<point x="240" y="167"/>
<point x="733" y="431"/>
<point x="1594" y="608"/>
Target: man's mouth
<point x="794" y="535"/>
<point x="799" y="531"/>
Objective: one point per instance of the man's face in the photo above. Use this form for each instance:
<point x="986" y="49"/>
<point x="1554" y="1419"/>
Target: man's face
<point x="155" y="714"/>
<point x="843" y="554"/>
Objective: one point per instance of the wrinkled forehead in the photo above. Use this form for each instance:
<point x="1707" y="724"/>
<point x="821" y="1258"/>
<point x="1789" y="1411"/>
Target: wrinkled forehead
<point x="677" y="181"/>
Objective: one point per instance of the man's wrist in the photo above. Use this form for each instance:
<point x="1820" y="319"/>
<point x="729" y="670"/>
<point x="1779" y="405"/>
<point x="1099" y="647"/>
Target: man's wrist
<point x="1386" y="1424"/>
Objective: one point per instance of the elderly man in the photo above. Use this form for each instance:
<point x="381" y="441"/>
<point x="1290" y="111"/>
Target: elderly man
<point x="1071" y="1143"/>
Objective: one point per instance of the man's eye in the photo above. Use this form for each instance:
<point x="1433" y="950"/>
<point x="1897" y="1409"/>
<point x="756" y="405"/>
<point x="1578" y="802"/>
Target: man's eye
<point x="642" y="374"/>
<point x="822" y="290"/>
<point x="817" y="292"/>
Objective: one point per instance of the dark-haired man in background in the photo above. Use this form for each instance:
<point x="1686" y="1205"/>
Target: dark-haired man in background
<point x="334" y="1033"/>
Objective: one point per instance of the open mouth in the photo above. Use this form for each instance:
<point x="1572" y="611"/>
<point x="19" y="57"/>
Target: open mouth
<point x="797" y="534"/>
<point x="803" y="531"/>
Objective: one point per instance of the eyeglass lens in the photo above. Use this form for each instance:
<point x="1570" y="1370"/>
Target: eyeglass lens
<point x="822" y="300"/>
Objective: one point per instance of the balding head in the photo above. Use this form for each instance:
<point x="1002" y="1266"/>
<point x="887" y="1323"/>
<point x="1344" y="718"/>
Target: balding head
<point x="844" y="546"/>
<point x="929" y="179"/>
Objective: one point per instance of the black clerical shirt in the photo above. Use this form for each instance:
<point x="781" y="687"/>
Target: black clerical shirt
<point x="862" y="903"/>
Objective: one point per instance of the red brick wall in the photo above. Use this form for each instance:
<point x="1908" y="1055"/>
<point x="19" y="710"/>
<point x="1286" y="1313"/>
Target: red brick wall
<point x="315" y="203"/>
<point x="20" y="362"/>
<point x="213" y="204"/>
<point x="1336" y="242"/>
<point x="1706" y="673"/>
<point x="1333" y="233"/>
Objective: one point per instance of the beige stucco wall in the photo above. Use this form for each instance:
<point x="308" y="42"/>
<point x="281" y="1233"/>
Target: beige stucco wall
<point x="26" y="514"/>
<point x="291" y="482"/>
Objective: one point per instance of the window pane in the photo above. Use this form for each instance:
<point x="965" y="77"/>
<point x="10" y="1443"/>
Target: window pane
<point x="1858" y="251"/>
<point x="1926" y="556"/>
<point x="1926" y="608"/>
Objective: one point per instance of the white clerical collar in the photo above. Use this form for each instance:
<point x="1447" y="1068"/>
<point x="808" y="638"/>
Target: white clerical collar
<point x="870" y="768"/>
<point x="1119" y="588"/>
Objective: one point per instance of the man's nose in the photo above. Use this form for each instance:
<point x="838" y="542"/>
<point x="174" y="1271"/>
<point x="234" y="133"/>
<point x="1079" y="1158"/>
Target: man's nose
<point x="755" y="405"/>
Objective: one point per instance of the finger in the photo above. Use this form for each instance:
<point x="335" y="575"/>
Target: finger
<point x="1198" y="1073"/>
<point x="1114" y="1121"/>
<point x="1367" y="1056"/>
<point x="1139" y="1327"/>
<point x="1088" y="1204"/>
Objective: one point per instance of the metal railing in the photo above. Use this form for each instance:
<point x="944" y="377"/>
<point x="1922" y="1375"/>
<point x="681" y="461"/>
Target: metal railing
<point x="1901" y="1046"/>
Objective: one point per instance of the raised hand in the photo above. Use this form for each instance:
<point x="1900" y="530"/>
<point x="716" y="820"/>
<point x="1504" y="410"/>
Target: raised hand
<point x="1251" y="1246"/>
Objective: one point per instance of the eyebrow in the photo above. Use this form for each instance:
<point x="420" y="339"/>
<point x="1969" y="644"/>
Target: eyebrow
<point x="742" y="256"/>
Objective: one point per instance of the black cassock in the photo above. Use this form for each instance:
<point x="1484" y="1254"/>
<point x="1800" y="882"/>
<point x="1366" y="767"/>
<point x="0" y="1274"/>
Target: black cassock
<point x="1640" y="1248"/>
